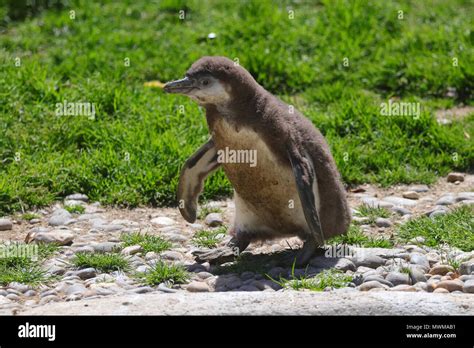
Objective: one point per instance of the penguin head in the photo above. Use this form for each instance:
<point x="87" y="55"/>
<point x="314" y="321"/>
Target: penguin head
<point x="212" y="81"/>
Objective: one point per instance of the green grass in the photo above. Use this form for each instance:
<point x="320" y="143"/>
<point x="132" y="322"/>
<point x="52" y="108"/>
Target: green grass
<point x="372" y="213"/>
<point x="75" y="209"/>
<point x="132" y="151"/>
<point x="146" y="241"/>
<point x="455" y="228"/>
<point x="209" y="238"/>
<point x="164" y="272"/>
<point x="103" y="262"/>
<point x="356" y="237"/>
<point x="204" y="211"/>
<point x="30" y="216"/>
<point x="331" y="278"/>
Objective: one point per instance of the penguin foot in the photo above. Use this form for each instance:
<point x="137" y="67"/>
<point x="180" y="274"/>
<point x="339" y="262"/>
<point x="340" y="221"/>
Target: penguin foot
<point x="305" y="254"/>
<point x="223" y="254"/>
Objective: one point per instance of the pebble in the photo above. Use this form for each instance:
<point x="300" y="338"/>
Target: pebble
<point x="60" y="217"/>
<point x="162" y="221"/>
<point x="105" y="247"/>
<point x="75" y="289"/>
<point x="445" y="200"/>
<point x="379" y="279"/>
<point x="399" y="201"/>
<point x="469" y="286"/>
<point x="417" y="275"/>
<point x="86" y="273"/>
<point x="397" y="278"/>
<point x="420" y="260"/>
<point x="77" y="197"/>
<point x="383" y="222"/>
<point x="400" y="210"/>
<point x="441" y="270"/>
<point x="229" y="283"/>
<point x="371" y="285"/>
<point x="5" y="225"/>
<point x="58" y="236"/>
<point x="450" y="285"/>
<point x="47" y="299"/>
<point x="214" y="220"/>
<point x="419" y="188"/>
<point x="441" y="291"/>
<point x="142" y="290"/>
<point x="247" y="275"/>
<point x="453" y="177"/>
<point x="131" y="250"/>
<point x="370" y="260"/>
<point x="30" y="293"/>
<point x="411" y="195"/>
<point x="467" y="267"/>
<point x="171" y="255"/>
<point x="204" y="275"/>
<point x="197" y="287"/>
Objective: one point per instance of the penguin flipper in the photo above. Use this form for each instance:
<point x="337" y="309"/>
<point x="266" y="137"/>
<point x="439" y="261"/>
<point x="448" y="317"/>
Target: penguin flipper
<point x="305" y="176"/>
<point x="191" y="179"/>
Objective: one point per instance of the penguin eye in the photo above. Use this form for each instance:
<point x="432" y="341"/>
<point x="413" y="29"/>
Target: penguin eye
<point x="205" y="82"/>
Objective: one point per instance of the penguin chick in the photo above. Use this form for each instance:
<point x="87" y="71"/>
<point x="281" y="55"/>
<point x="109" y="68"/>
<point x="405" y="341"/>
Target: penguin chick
<point x="293" y="189"/>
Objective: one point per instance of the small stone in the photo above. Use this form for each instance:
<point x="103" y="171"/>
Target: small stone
<point x="453" y="177"/>
<point x="13" y="297"/>
<point x="163" y="221"/>
<point x="383" y="222"/>
<point x="397" y="278"/>
<point x="30" y="293"/>
<point x="58" y="236"/>
<point x="469" y="286"/>
<point x="418" y="240"/>
<point x="450" y="285"/>
<point x="421" y="286"/>
<point x="400" y="210"/>
<point x="417" y="275"/>
<point x="446" y="200"/>
<point x="465" y="196"/>
<point x="131" y="250"/>
<point x="86" y="273"/>
<point x="214" y="220"/>
<point x="441" y="291"/>
<point x="420" y="260"/>
<point x="84" y="250"/>
<point x="378" y="278"/>
<point x="441" y="270"/>
<point x="75" y="289"/>
<point x="370" y="260"/>
<point x="372" y="285"/>
<point x="77" y="197"/>
<point x="411" y="195"/>
<point x="60" y="217"/>
<point x="419" y="188"/>
<point x="361" y="220"/>
<point x="143" y="290"/>
<point x="171" y="255"/>
<point x="399" y="201"/>
<point x="105" y="247"/>
<point x="467" y="267"/>
<point x="48" y="299"/>
<point x="197" y="287"/>
<point x="5" y="225"/>
<point x="204" y="275"/>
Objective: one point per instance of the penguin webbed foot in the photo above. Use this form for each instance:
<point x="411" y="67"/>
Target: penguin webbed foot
<point x="306" y="253"/>
<point x="222" y="254"/>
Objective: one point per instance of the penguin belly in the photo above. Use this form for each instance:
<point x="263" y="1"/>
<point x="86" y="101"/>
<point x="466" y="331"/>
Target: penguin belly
<point x="267" y="203"/>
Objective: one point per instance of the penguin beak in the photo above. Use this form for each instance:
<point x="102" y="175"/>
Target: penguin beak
<point x="183" y="86"/>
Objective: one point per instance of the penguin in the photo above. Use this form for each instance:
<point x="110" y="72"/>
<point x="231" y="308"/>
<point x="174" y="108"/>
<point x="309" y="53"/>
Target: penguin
<point x="292" y="189"/>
